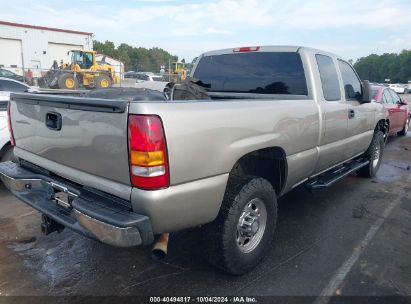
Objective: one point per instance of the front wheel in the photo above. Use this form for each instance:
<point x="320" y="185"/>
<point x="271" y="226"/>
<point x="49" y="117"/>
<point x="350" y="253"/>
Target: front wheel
<point x="404" y="130"/>
<point x="241" y="234"/>
<point x="103" y="82"/>
<point x="373" y="155"/>
<point x="67" y="81"/>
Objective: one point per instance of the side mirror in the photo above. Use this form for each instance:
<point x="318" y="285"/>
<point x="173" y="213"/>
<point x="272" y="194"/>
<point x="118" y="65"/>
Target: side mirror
<point x="366" y="92"/>
<point x="402" y="102"/>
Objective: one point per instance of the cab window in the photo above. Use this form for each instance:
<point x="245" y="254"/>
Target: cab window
<point x="329" y="78"/>
<point x="352" y="85"/>
<point x="253" y="72"/>
<point x="88" y="60"/>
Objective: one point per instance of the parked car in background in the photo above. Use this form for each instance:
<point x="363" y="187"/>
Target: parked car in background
<point x="8" y="74"/>
<point x="398" y="111"/>
<point x="399" y="88"/>
<point x="130" y="74"/>
<point x="7" y="86"/>
<point x="4" y="132"/>
<point x="143" y="77"/>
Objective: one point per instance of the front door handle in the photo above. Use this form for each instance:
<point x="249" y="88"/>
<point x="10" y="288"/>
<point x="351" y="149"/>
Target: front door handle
<point x="351" y="113"/>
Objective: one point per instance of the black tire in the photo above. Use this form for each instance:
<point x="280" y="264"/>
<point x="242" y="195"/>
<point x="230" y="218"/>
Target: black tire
<point x="102" y="82"/>
<point x="374" y="155"/>
<point x="7" y="154"/>
<point x="404" y="130"/>
<point x="221" y="237"/>
<point x="67" y="81"/>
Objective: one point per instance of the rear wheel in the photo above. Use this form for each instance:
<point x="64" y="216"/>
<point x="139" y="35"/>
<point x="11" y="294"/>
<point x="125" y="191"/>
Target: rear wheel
<point x="103" y="82"/>
<point x="374" y="155"/>
<point x="67" y="81"/>
<point x="241" y="234"/>
<point x="404" y="130"/>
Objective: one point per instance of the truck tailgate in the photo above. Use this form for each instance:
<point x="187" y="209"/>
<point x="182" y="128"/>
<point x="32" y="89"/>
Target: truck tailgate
<point x="88" y="135"/>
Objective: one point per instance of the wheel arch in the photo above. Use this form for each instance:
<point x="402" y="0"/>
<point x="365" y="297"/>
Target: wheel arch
<point x="383" y="125"/>
<point x="269" y="163"/>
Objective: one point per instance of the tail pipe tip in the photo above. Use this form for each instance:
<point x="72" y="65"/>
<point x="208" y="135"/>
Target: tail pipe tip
<point x="159" y="250"/>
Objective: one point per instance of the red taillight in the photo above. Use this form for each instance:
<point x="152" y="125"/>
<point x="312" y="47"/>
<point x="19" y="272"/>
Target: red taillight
<point x="147" y="152"/>
<point x="246" y="49"/>
<point x="12" y="141"/>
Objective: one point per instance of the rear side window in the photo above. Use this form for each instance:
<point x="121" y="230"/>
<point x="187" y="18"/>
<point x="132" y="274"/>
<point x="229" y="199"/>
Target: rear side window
<point x="329" y="77"/>
<point x="387" y="97"/>
<point x="259" y="72"/>
<point x="352" y="84"/>
<point x="3" y="105"/>
<point x="12" y="86"/>
<point x="395" y="97"/>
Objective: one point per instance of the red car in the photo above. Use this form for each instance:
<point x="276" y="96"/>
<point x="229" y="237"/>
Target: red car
<point x="398" y="111"/>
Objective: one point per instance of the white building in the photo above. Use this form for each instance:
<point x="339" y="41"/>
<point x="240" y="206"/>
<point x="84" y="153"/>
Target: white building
<point x="36" y="47"/>
<point x="117" y="64"/>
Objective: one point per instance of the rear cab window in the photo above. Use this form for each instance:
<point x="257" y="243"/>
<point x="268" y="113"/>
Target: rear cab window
<point x="254" y="72"/>
<point x="329" y="77"/>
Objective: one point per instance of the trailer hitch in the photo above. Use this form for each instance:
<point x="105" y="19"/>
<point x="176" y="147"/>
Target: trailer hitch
<point x="48" y="225"/>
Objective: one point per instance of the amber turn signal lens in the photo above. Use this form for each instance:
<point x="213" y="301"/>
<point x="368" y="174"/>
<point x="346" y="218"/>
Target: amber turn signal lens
<point x="154" y="158"/>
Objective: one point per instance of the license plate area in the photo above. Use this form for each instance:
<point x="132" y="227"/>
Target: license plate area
<point x="62" y="196"/>
<point x="62" y="199"/>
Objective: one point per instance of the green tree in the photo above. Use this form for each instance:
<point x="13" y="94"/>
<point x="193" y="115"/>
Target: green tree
<point x="135" y="58"/>
<point x="377" y="68"/>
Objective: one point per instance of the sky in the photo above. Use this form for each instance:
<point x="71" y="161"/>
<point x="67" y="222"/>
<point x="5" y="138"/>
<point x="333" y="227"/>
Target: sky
<point x="187" y="28"/>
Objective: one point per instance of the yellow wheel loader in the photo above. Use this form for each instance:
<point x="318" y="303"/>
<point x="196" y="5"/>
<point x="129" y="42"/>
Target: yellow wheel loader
<point x="178" y="71"/>
<point x="82" y="71"/>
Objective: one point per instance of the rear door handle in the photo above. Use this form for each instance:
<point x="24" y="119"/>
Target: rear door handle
<point x="351" y="113"/>
<point x="53" y="121"/>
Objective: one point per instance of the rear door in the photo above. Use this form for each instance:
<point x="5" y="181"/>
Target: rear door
<point x="399" y="111"/>
<point x="360" y="116"/>
<point x="334" y="111"/>
<point x="389" y="104"/>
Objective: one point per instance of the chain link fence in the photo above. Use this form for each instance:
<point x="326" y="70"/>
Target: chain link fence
<point x="56" y="78"/>
<point x="67" y="79"/>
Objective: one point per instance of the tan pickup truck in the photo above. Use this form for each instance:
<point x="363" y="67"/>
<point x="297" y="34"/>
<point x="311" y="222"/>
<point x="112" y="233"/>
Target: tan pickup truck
<point x="123" y="170"/>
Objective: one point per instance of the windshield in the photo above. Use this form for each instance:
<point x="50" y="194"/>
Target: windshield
<point x="261" y="72"/>
<point x="84" y="60"/>
<point x="76" y="57"/>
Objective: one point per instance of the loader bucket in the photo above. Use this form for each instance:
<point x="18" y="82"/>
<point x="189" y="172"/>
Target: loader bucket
<point x="50" y="80"/>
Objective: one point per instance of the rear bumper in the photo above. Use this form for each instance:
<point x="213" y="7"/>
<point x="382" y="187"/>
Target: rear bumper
<point x="90" y="213"/>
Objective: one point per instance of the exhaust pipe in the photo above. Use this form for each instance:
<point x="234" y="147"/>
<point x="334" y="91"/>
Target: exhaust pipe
<point x="159" y="250"/>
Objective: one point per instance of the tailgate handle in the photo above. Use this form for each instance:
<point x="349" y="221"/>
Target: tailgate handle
<point x="53" y="121"/>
